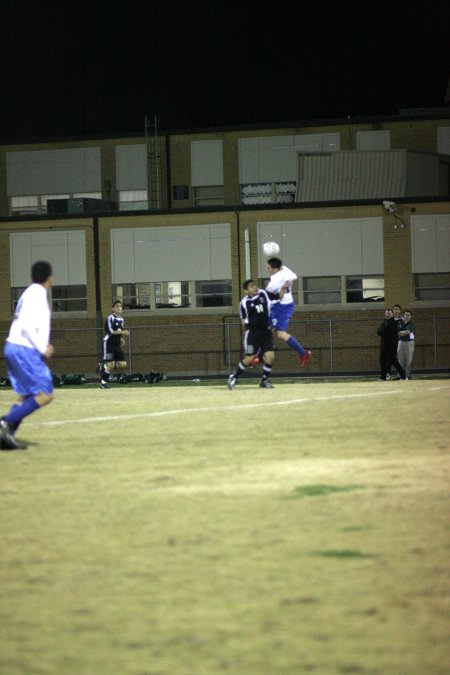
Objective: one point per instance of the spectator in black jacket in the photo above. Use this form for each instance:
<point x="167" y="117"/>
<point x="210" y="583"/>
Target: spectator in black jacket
<point x="388" y="332"/>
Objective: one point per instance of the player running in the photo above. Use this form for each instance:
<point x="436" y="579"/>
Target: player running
<point x="27" y="350"/>
<point x="113" y="356"/>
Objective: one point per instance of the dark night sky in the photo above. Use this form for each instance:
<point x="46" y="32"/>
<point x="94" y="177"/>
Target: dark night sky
<point x="71" y="69"/>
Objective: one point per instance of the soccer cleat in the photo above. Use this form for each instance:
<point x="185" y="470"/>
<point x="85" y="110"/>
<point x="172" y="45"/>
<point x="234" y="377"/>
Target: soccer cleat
<point x="18" y="445"/>
<point x="104" y="385"/>
<point x="231" y="382"/>
<point x="305" y="358"/>
<point x="266" y="384"/>
<point x="255" y="360"/>
<point x="7" y="440"/>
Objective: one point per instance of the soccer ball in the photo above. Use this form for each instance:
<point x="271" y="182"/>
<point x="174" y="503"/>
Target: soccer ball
<point x="271" y="248"/>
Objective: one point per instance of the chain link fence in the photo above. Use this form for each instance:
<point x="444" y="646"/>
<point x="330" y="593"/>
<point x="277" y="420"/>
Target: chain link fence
<point x="184" y="349"/>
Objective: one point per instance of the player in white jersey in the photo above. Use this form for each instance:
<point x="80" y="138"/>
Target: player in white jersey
<point x="282" y="310"/>
<point x="26" y="350"/>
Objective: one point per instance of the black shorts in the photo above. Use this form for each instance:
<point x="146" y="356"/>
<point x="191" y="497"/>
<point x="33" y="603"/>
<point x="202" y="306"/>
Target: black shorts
<point x="258" y="339"/>
<point x="112" y="352"/>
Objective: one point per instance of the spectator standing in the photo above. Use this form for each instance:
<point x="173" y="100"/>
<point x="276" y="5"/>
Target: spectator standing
<point x="388" y="332"/>
<point x="406" y="343"/>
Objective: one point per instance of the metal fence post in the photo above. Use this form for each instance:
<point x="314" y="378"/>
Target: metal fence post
<point x="330" y="332"/>
<point x="129" y="352"/>
<point x="435" y="340"/>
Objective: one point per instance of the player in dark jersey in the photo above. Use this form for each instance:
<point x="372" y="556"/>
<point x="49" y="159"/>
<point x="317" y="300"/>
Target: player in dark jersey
<point x="113" y="356"/>
<point x="255" y="312"/>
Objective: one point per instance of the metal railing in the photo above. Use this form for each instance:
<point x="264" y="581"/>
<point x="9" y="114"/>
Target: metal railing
<point x="214" y="348"/>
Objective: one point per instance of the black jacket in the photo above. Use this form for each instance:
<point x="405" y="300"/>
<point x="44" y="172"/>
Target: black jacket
<point x="388" y="331"/>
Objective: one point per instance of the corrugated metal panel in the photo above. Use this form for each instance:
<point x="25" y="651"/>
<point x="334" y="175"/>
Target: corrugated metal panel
<point x="352" y="175"/>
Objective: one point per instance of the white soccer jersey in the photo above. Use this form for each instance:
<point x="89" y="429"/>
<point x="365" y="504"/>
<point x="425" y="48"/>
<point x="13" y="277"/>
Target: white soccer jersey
<point x="31" y="324"/>
<point x="278" y="280"/>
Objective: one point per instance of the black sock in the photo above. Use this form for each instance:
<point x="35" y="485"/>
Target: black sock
<point x="239" y="370"/>
<point x="266" y="372"/>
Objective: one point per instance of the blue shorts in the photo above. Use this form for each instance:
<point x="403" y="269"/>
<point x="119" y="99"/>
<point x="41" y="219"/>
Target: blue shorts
<point x="280" y="315"/>
<point x="27" y="370"/>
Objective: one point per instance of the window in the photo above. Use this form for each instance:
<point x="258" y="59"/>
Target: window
<point x="432" y="286"/>
<point x="364" y="289"/>
<point x="133" y="296"/>
<point x="172" y="267"/>
<point x="336" y="290"/>
<point x="321" y="290"/>
<point x="21" y="206"/>
<point x="16" y="292"/>
<point x="213" y="293"/>
<point x="66" y="252"/>
<point x="133" y="200"/>
<point x="373" y="140"/>
<point x="62" y="298"/>
<point x="36" y="204"/>
<point x="268" y="193"/>
<point x="211" y="195"/>
<point x="174" y="294"/>
<point x="69" y="298"/>
<point x="262" y="283"/>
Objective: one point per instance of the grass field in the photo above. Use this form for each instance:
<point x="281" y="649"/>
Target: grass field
<point x="174" y="530"/>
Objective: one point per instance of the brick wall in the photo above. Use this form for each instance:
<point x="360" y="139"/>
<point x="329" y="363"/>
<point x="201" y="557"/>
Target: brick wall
<point x="208" y="341"/>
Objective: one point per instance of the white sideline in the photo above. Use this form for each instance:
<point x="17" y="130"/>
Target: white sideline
<point x="242" y="406"/>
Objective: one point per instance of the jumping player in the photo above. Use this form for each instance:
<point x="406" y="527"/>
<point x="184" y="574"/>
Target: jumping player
<point x="282" y="309"/>
<point x="113" y="356"/>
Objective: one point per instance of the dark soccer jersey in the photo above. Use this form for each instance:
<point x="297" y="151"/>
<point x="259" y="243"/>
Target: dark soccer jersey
<point x="113" y="323"/>
<point x="255" y="310"/>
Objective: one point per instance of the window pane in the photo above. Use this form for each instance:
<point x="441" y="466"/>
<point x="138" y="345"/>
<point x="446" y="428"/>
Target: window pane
<point x="321" y="290"/>
<point x="69" y="298"/>
<point x="171" y="294"/>
<point x="432" y="286"/>
<point x="322" y="284"/>
<point x="133" y="200"/>
<point x="213" y="293"/>
<point x="15" y="295"/>
<point x="325" y="297"/>
<point x="24" y="205"/>
<point x="89" y="195"/>
<point x="133" y="195"/>
<point x="208" y="195"/>
<point x="132" y="295"/>
<point x="432" y="280"/>
<point x="267" y="193"/>
<point x="364" y="289"/>
<point x="432" y="294"/>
